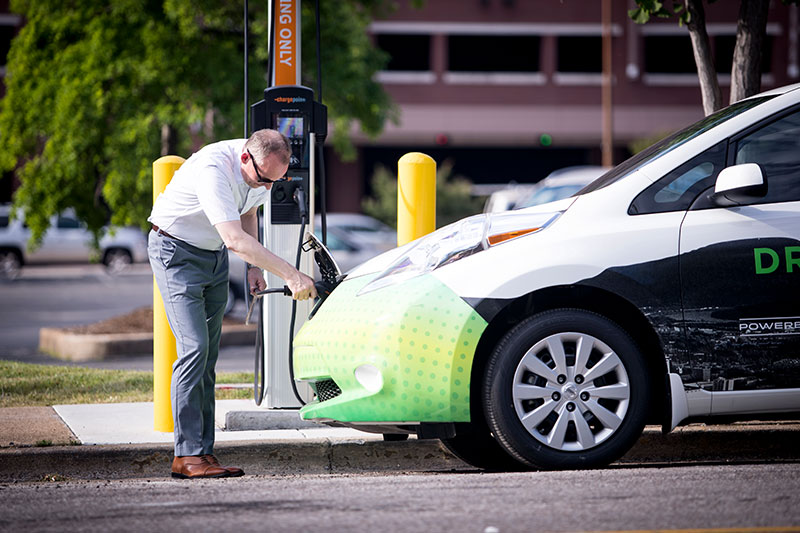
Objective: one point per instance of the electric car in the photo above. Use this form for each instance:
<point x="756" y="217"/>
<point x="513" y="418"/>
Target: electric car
<point x="666" y="291"/>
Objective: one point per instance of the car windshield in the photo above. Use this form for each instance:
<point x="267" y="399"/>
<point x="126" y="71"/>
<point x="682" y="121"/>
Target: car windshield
<point x="673" y="141"/>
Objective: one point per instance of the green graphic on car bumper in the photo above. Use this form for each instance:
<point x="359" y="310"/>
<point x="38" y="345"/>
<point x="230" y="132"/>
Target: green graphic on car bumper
<point x="414" y="341"/>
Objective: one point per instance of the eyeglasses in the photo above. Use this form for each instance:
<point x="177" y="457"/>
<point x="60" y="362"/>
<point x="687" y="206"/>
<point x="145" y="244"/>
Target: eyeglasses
<point x="260" y="178"/>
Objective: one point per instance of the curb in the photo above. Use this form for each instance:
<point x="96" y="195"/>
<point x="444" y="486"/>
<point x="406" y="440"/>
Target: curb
<point x="690" y="445"/>
<point x="256" y="458"/>
<point x="265" y="420"/>
<point x="68" y="346"/>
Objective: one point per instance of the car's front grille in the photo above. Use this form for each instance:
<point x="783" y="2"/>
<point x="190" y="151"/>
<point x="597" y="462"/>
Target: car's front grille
<point x="327" y="389"/>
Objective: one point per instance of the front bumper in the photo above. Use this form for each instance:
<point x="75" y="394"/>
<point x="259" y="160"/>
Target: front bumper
<point x="419" y="335"/>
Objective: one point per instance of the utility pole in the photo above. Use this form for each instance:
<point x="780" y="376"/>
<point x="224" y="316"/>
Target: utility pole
<point x="607" y="105"/>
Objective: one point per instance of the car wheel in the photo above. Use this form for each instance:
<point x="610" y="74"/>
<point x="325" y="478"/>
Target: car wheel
<point x="566" y="389"/>
<point x="10" y="264"/>
<point x="117" y="260"/>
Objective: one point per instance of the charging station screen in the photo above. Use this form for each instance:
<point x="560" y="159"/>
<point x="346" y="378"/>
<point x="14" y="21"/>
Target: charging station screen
<point x="292" y="127"/>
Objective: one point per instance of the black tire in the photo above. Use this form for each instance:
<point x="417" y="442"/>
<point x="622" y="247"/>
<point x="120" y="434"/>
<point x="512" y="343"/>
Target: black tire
<point x="541" y="407"/>
<point x="117" y="260"/>
<point x="475" y="445"/>
<point x="10" y="264"/>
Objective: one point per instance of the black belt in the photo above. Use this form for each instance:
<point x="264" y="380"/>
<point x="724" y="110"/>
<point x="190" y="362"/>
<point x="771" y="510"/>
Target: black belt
<point x="164" y="233"/>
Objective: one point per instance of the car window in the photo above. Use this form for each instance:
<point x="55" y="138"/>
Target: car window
<point x="334" y="243"/>
<point x="3" y="221"/>
<point x="673" y="141"/>
<point x="678" y="189"/>
<point x="776" y="148"/>
<point x="67" y="222"/>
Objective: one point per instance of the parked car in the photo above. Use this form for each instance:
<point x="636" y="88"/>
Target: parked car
<point x="547" y="337"/>
<point x="352" y="239"/>
<point x="66" y="241"/>
<point x="369" y="234"/>
<point x="561" y="183"/>
<point x="507" y="197"/>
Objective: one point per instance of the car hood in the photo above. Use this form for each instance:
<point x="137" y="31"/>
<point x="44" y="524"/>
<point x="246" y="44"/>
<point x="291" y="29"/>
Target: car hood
<point x="382" y="262"/>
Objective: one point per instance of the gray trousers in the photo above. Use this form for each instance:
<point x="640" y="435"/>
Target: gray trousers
<point x="194" y="286"/>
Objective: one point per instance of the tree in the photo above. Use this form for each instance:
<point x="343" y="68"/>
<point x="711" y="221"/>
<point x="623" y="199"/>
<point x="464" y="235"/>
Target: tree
<point x="96" y="91"/>
<point x="750" y="33"/>
<point x="454" y="199"/>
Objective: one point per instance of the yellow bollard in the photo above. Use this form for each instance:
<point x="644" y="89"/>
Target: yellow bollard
<point x="164" y="352"/>
<point x="416" y="197"/>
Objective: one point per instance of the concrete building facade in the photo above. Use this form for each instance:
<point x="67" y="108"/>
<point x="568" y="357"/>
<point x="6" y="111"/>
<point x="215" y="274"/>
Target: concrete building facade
<point x="509" y="90"/>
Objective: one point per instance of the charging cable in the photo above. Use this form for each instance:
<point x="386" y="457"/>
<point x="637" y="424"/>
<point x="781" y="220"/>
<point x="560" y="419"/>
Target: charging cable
<point x="299" y="197"/>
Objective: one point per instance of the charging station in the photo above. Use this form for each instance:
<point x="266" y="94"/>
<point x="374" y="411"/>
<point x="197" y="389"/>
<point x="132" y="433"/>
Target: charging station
<point x="289" y="213"/>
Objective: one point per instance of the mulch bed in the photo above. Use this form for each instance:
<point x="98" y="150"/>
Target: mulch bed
<point x="137" y="321"/>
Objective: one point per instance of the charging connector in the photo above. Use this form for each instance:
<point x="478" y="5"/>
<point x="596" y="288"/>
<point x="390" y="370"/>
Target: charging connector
<point x="299" y="198"/>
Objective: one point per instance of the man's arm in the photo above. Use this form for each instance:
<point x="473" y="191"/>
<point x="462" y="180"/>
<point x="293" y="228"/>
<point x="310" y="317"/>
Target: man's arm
<point x="240" y="238"/>
<point x="253" y="275"/>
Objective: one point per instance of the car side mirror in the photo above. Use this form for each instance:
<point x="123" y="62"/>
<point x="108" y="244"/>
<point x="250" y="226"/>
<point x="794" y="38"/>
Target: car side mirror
<point x="739" y="184"/>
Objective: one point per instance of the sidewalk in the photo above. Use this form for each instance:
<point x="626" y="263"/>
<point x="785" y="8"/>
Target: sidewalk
<point x="99" y="424"/>
<point x="117" y="441"/>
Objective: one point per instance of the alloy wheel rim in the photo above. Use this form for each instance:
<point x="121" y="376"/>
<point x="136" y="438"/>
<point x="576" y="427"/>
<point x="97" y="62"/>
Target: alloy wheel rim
<point x="571" y="391"/>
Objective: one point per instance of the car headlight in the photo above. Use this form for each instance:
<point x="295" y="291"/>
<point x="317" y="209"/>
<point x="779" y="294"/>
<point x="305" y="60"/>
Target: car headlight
<point x="457" y="241"/>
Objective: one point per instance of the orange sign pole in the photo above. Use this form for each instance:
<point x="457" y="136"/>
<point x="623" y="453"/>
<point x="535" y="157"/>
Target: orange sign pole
<point x="286" y="43"/>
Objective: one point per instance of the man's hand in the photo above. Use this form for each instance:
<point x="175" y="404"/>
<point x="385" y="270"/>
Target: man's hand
<point x="240" y="238"/>
<point x="302" y="286"/>
<point x="255" y="280"/>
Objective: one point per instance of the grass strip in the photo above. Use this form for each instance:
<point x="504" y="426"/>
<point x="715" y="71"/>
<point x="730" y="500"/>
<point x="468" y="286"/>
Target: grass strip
<point x="23" y="384"/>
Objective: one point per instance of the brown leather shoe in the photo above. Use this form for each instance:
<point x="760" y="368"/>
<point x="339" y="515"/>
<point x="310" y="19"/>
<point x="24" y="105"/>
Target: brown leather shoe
<point x="233" y="471"/>
<point x="196" y="466"/>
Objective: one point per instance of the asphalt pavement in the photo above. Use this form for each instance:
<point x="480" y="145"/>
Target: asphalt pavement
<point x="117" y="441"/>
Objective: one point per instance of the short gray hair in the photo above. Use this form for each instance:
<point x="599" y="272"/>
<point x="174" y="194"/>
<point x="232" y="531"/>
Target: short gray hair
<point x="264" y="142"/>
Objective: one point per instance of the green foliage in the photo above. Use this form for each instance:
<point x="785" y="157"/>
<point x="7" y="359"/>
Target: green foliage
<point x="90" y="86"/>
<point x="454" y="199"/>
<point x="382" y="204"/>
<point x="653" y="8"/>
